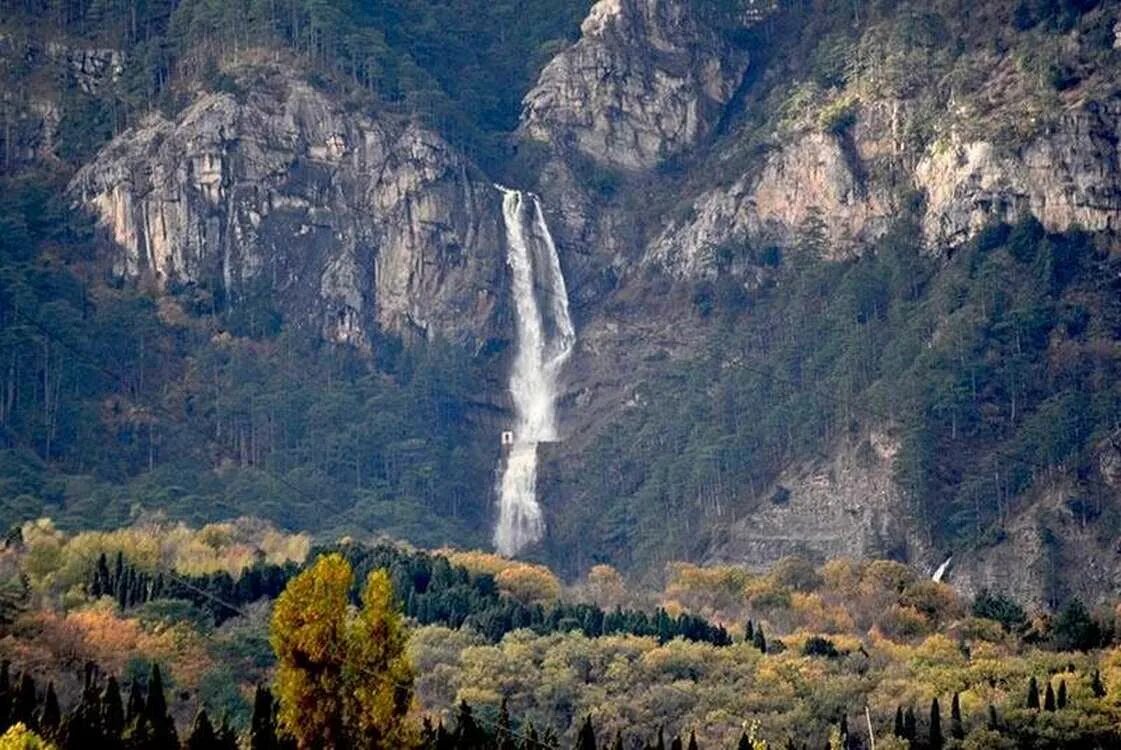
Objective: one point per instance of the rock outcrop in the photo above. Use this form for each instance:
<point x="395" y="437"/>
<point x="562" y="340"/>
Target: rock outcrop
<point x="647" y="80"/>
<point x="1069" y="176"/>
<point x="813" y="179"/>
<point x="349" y="221"/>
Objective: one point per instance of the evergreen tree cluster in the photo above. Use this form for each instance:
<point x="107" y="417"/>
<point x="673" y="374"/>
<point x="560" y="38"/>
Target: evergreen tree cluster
<point x="471" y="732"/>
<point x="218" y="594"/>
<point x="433" y="591"/>
<point x="100" y="718"/>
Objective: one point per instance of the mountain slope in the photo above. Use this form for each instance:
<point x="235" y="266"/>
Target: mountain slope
<point x="843" y="278"/>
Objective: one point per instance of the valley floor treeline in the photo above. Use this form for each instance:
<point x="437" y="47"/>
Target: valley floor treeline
<point x="794" y="655"/>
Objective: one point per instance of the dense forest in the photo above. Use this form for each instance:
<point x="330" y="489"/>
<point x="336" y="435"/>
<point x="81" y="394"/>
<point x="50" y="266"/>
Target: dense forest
<point x="988" y="366"/>
<point x="810" y="656"/>
<point x="461" y="66"/>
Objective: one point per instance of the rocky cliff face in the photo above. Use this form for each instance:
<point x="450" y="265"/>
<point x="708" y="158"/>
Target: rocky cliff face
<point x="349" y="220"/>
<point x="1068" y="176"/>
<point x="647" y="80"/>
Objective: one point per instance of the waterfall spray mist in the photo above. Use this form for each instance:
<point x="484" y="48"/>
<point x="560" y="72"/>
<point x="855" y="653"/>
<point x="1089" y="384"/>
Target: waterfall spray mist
<point x="545" y="338"/>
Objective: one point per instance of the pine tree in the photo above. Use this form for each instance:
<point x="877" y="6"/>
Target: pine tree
<point x="1096" y="685"/>
<point x="759" y="640"/>
<point x="7" y="700"/>
<point x="112" y="711"/>
<point x="155" y="711"/>
<point x="693" y="740"/>
<point x="1049" y="697"/>
<point x="467" y="731"/>
<point x="503" y="736"/>
<point x="135" y="702"/>
<point x="1033" y="693"/>
<point x="202" y="735"/>
<point x="51" y="718"/>
<point x="24" y="708"/>
<point x="226" y="737"/>
<point x="900" y="730"/>
<point x="957" y="729"/>
<point x="1061" y="699"/>
<point x="935" y="725"/>
<point x="262" y="728"/>
<point x="586" y="739"/>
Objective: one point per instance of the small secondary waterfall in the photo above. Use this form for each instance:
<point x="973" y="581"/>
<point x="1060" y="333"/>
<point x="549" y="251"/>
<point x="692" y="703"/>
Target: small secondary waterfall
<point x="545" y="338"/>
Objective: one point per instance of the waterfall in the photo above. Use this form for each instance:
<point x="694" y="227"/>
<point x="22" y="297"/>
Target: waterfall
<point x="938" y="574"/>
<point x="545" y="338"/>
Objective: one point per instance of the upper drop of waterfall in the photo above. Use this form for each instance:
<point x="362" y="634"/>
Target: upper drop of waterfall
<point x="545" y="338"/>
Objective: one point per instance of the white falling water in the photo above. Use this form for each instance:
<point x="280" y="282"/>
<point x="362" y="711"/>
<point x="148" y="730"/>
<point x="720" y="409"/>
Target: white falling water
<point x="938" y="574"/>
<point x="545" y="338"/>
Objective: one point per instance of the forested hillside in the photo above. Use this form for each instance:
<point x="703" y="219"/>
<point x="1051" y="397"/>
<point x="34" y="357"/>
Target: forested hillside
<point x="160" y="636"/>
<point x="837" y="290"/>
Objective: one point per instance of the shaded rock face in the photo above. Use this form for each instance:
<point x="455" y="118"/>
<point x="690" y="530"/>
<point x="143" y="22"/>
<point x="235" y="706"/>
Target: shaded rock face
<point x="647" y="80"/>
<point x="848" y="507"/>
<point x="346" y="221"/>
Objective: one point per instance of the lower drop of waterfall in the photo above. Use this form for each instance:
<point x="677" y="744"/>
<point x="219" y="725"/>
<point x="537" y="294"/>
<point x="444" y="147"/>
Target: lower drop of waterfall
<point x="545" y="338"/>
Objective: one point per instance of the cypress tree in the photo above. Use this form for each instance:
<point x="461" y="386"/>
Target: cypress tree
<point x="83" y="726"/>
<point x="957" y="729"/>
<point x="618" y="743"/>
<point x="749" y="632"/>
<point x="935" y="725"/>
<point x="994" y="722"/>
<point x="1033" y="693"/>
<point x="51" y="718"/>
<point x="155" y="710"/>
<point x="112" y="711"/>
<point x="900" y="730"/>
<point x="1049" y="697"/>
<point x="676" y="744"/>
<point x="693" y="740"/>
<point x="202" y="735"/>
<point x="661" y="739"/>
<point x="6" y="697"/>
<point x="25" y="702"/>
<point x="759" y="640"/>
<point x="262" y="727"/>
<point x="586" y="740"/>
<point x="1061" y="699"/>
<point x="135" y="702"/>
<point x="745" y="743"/>
<point x="467" y="733"/>
<point x="226" y="737"/>
<point x="910" y="726"/>
<point x="1096" y="685"/>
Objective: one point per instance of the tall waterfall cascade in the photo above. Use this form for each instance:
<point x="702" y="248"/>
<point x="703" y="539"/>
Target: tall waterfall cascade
<point x="545" y="338"/>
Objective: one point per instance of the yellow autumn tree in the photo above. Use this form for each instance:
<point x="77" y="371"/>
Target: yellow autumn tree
<point x="19" y="737"/>
<point x="342" y="677"/>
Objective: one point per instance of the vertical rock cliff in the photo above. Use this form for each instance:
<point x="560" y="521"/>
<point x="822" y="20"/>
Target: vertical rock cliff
<point x="351" y="221"/>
